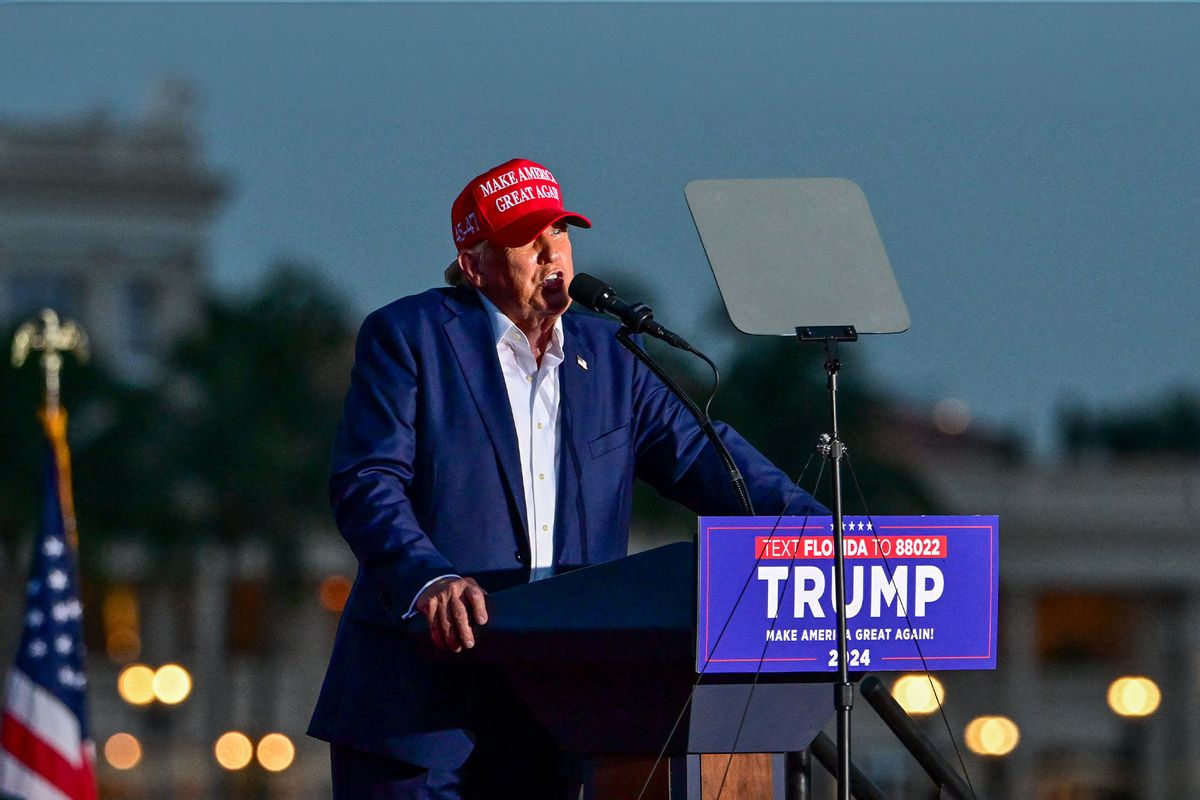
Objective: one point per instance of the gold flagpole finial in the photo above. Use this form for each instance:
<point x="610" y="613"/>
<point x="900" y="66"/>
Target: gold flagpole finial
<point x="51" y="338"/>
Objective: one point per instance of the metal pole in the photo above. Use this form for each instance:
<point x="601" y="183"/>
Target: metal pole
<point x="949" y="782"/>
<point x="825" y="752"/>
<point x="797" y="776"/>
<point x="843" y="692"/>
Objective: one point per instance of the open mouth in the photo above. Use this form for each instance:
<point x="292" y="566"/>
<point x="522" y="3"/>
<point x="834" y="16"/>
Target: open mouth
<point x="553" y="280"/>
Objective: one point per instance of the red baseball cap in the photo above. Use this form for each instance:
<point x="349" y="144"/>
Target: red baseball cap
<point x="509" y="205"/>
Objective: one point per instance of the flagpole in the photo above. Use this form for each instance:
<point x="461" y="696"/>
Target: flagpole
<point x="46" y="749"/>
<point x="51" y="337"/>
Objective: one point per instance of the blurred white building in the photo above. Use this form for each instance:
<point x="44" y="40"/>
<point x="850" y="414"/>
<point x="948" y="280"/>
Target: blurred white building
<point x="1098" y="580"/>
<point x="107" y="223"/>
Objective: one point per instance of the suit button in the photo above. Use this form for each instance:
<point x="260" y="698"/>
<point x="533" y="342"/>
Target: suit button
<point x="519" y="557"/>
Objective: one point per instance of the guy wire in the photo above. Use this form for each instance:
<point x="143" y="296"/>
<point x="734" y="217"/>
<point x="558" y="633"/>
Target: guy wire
<point x="900" y="602"/>
<point x="691" y="693"/>
<point x="763" y="655"/>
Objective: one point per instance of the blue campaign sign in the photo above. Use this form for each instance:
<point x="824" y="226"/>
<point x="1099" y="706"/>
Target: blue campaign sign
<point x="916" y="588"/>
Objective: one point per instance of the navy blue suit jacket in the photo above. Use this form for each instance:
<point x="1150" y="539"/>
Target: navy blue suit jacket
<point x="426" y="481"/>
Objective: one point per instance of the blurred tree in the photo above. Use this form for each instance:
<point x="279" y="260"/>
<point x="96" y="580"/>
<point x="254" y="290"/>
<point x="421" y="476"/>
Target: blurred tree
<point x="1168" y="426"/>
<point x="237" y="444"/>
<point x="232" y="444"/>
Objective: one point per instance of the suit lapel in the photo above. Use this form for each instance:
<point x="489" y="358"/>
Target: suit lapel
<point x="579" y="362"/>
<point x="575" y="387"/>
<point x="470" y="334"/>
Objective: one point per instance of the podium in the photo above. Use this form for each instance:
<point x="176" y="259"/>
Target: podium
<point x="604" y="657"/>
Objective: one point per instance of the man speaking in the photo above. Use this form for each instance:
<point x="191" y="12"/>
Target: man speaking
<point x="487" y="439"/>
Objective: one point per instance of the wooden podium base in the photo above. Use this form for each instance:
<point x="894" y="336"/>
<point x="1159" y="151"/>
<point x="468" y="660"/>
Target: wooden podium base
<point x="748" y="778"/>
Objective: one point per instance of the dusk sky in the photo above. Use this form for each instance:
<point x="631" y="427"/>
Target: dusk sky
<point x="1033" y="169"/>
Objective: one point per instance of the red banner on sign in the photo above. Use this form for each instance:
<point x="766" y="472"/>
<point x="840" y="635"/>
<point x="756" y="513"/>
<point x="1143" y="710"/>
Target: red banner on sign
<point x="799" y="548"/>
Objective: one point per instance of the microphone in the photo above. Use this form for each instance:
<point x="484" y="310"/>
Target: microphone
<point x="637" y="317"/>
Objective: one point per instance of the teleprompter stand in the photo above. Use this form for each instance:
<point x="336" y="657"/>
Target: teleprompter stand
<point x="802" y="257"/>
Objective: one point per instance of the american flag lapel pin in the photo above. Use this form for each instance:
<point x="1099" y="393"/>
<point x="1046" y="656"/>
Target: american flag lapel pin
<point x="579" y="360"/>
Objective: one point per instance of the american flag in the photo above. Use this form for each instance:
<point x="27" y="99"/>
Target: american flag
<point x="46" y="752"/>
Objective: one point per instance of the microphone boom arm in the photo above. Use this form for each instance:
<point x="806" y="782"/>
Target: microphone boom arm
<point x="735" y="475"/>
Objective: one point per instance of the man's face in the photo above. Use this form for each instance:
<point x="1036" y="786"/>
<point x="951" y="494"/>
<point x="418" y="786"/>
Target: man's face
<point x="529" y="283"/>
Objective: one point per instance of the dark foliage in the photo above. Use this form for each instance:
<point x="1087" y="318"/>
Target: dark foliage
<point x="232" y="443"/>
<point x="1169" y="426"/>
<point x="97" y="399"/>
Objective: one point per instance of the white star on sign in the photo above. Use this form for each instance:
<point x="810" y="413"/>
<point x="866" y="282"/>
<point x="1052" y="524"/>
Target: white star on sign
<point x="74" y="610"/>
<point x="868" y="524"/>
<point x="62" y="643"/>
<point x="60" y="612"/>
<point x="53" y="547"/>
<point x="57" y="580"/>
<point x="34" y="618"/>
<point x="37" y="648"/>
<point x="66" y="676"/>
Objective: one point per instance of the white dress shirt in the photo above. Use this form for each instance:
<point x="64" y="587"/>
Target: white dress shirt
<point x="533" y="397"/>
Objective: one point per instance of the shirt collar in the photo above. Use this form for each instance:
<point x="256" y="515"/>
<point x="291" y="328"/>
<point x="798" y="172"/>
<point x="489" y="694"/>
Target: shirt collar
<point x="501" y="325"/>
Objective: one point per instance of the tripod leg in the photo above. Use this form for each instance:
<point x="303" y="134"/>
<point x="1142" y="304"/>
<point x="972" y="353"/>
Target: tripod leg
<point x="797" y="771"/>
<point x="861" y="787"/>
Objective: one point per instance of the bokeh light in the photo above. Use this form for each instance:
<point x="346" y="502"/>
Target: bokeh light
<point x="919" y="694"/>
<point x="276" y="752"/>
<point x="135" y="684"/>
<point x="951" y="416"/>
<point x="122" y="645"/>
<point x="1134" y="696"/>
<point x="992" y="736"/>
<point x="122" y="620"/>
<point x="334" y="591"/>
<point x="172" y="684"/>
<point x="123" y="751"/>
<point x="233" y="750"/>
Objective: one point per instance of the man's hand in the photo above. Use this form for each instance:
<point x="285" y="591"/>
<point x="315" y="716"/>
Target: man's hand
<point x="445" y="604"/>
